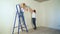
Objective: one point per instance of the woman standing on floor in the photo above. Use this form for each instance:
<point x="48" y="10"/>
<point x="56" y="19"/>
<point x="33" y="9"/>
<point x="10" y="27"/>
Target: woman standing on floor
<point x="33" y="12"/>
<point x="34" y="18"/>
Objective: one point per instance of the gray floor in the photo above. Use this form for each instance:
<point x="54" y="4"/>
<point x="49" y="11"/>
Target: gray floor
<point x="41" y="30"/>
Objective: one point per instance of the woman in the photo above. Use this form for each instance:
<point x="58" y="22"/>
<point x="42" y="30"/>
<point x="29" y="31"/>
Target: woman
<point x="34" y="18"/>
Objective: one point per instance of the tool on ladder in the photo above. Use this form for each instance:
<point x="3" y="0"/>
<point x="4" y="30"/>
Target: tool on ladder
<point x="20" y="15"/>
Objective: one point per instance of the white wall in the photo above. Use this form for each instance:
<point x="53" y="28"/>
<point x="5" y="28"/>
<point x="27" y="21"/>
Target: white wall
<point x="46" y="14"/>
<point x="56" y="9"/>
<point x="7" y="12"/>
<point x="52" y="11"/>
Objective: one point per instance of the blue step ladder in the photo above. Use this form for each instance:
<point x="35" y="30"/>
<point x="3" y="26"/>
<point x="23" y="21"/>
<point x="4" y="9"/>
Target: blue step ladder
<point x="20" y="15"/>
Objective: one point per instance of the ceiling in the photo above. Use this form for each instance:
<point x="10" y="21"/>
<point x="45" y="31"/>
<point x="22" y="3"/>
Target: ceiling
<point x="41" y="0"/>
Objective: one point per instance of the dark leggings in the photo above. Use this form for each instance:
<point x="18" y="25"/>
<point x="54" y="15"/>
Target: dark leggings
<point x="34" y="22"/>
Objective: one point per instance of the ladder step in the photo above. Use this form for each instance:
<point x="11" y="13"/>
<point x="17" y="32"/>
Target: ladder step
<point x="17" y="27"/>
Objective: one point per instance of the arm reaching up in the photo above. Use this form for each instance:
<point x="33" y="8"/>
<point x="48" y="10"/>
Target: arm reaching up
<point x="26" y="8"/>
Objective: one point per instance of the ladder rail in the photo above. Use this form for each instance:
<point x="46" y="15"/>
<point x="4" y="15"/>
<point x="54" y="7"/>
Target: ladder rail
<point x="15" y="19"/>
<point x="14" y="23"/>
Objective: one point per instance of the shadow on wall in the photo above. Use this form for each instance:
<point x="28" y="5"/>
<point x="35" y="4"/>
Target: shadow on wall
<point x="41" y="0"/>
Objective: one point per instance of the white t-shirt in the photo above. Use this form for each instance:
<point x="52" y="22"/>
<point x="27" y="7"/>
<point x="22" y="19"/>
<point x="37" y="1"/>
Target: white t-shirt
<point x="33" y="15"/>
<point x="22" y="9"/>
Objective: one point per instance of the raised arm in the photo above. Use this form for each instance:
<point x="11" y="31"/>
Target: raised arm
<point x="26" y="8"/>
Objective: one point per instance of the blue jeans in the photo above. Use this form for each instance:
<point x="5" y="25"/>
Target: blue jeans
<point x="34" y="22"/>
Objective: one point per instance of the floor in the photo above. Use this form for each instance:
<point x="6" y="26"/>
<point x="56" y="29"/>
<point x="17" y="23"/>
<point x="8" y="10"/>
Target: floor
<point x="41" y="30"/>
